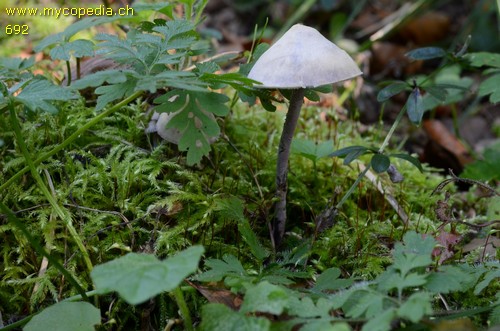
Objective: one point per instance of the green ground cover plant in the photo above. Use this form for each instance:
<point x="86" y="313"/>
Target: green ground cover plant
<point x="104" y="227"/>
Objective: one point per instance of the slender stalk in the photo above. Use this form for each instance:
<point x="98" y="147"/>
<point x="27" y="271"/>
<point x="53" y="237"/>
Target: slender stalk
<point x="71" y="138"/>
<point x="41" y="185"/>
<point x="380" y="150"/>
<point x="291" y="120"/>
<point x="179" y="298"/>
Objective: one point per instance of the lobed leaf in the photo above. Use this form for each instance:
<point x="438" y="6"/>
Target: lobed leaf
<point x="216" y="317"/>
<point x="138" y="277"/>
<point x="66" y="316"/>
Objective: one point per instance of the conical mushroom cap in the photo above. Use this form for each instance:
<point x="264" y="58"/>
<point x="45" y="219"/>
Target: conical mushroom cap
<point x="302" y="57"/>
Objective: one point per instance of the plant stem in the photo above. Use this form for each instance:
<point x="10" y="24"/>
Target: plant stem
<point x="380" y="150"/>
<point x="292" y="117"/>
<point x="41" y="185"/>
<point x="71" y="138"/>
<point x="179" y="298"/>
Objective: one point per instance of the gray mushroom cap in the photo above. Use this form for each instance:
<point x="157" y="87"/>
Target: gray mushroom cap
<point x="302" y="58"/>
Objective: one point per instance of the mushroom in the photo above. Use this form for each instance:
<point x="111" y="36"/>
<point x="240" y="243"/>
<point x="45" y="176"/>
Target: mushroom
<point x="300" y="59"/>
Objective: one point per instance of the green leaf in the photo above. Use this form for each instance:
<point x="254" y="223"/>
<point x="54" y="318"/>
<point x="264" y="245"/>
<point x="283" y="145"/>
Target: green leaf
<point x="73" y="29"/>
<point x="343" y="152"/>
<point x="381" y="322"/>
<point x="415" y="107"/>
<point x="138" y="277"/>
<point x="111" y="76"/>
<point x="194" y="119"/>
<point x="78" y="48"/>
<point x="409" y="158"/>
<point x="490" y="86"/>
<point x="449" y="279"/>
<point x="252" y="240"/>
<point x="391" y="90"/>
<point x="66" y="316"/>
<point x="368" y="305"/>
<point x="480" y="59"/>
<point x="416" y="307"/>
<point x="325" y="326"/>
<point x="109" y="93"/>
<point x="437" y="92"/>
<point x="217" y="317"/>
<point x="219" y="269"/>
<point x="380" y="163"/>
<point x="414" y="252"/>
<point x="39" y="93"/>
<point x="488" y="278"/>
<point x="426" y="53"/>
<point x="329" y="280"/>
<point x="485" y="169"/>
<point x="312" y="150"/>
<point x="265" y="298"/>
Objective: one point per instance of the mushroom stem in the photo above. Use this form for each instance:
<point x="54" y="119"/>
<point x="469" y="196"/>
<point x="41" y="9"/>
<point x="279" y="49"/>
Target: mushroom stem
<point x="292" y="117"/>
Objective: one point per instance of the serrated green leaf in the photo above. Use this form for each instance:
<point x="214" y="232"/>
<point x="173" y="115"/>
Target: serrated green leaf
<point x="415" y="107"/>
<point x="229" y="265"/>
<point x="303" y="307"/>
<point x="329" y="280"/>
<point x="480" y="59"/>
<point x="73" y="29"/>
<point x="426" y="53"/>
<point x="410" y="159"/>
<point x="490" y="86"/>
<point x="380" y="163"/>
<point x="370" y="304"/>
<point x="217" y="317"/>
<point x="66" y="316"/>
<point x="111" y="76"/>
<point x="138" y="277"/>
<point x="449" y="279"/>
<point x="252" y="240"/>
<point x="265" y="298"/>
<point x="488" y="278"/>
<point x="77" y="48"/>
<point x="109" y="93"/>
<point x="487" y="168"/>
<point x="325" y="326"/>
<point x="381" y="322"/>
<point x="414" y="252"/>
<point x="439" y="93"/>
<point x="39" y="93"/>
<point x="391" y="90"/>
<point x="194" y="119"/>
<point x="416" y="307"/>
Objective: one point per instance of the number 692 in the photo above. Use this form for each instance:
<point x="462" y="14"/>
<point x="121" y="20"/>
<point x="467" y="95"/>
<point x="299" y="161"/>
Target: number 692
<point x="16" y="29"/>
